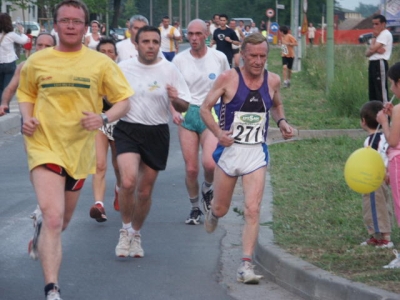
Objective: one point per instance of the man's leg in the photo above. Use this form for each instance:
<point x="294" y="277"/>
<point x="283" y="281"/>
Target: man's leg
<point x="253" y="188"/>
<point x="99" y="179"/>
<point x="129" y="168"/>
<point x="142" y="204"/>
<point x="208" y="144"/>
<point x="52" y="203"/>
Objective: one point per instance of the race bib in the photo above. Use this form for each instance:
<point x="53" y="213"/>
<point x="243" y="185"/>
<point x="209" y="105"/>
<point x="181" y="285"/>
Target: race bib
<point x="248" y="128"/>
<point x="285" y="50"/>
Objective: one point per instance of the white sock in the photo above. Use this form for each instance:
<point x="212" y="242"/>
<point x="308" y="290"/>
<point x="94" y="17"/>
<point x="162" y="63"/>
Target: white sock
<point x="127" y="226"/>
<point x="206" y="186"/>
<point x="134" y="232"/>
<point x="99" y="202"/>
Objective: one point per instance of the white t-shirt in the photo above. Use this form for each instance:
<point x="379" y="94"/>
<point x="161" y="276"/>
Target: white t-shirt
<point x="200" y="73"/>
<point x="126" y="50"/>
<point x="386" y="39"/>
<point x="150" y="103"/>
<point x="311" y="32"/>
<point x="167" y="44"/>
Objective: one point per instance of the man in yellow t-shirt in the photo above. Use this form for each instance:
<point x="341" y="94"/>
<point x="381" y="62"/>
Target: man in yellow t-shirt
<point x="288" y="42"/>
<point x="60" y="98"/>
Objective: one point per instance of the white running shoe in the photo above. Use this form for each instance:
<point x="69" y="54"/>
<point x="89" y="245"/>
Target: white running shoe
<point x="245" y="274"/>
<point x="36" y="216"/>
<point x="136" y="249"/>
<point x="210" y="222"/>
<point x="124" y="243"/>
<point x="53" y="295"/>
<point x="395" y="263"/>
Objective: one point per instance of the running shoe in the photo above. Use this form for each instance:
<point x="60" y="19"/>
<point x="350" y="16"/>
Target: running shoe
<point x="207" y="197"/>
<point x="370" y="242"/>
<point x="210" y="222"/>
<point x="116" y="203"/>
<point x="194" y="217"/>
<point x="98" y="213"/>
<point x="245" y="273"/>
<point x="136" y="249"/>
<point x="36" y="216"/>
<point x="53" y="295"/>
<point x="124" y="243"/>
<point x="384" y="244"/>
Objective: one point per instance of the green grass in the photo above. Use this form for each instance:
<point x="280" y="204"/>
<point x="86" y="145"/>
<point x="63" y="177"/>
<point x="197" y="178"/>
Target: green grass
<point x="315" y="215"/>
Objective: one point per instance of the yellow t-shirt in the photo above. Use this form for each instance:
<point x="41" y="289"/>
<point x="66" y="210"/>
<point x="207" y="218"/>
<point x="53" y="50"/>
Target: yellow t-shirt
<point x="62" y="85"/>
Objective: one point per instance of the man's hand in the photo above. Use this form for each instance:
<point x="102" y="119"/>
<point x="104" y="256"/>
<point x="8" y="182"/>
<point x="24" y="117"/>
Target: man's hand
<point x="225" y="138"/>
<point x="4" y="110"/>
<point x="172" y="92"/>
<point x="29" y="126"/>
<point x="286" y="130"/>
<point x="91" y="121"/>
<point x="177" y="118"/>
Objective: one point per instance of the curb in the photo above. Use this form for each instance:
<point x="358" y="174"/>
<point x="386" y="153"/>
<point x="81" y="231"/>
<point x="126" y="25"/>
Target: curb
<point x="9" y="124"/>
<point x="294" y="274"/>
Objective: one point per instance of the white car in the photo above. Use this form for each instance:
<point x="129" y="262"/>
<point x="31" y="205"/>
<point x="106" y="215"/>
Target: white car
<point x="33" y="26"/>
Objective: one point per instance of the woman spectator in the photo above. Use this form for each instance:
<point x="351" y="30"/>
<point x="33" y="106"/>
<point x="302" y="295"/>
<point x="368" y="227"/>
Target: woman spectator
<point x="8" y="56"/>
<point x="28" y="45"/>
<point x="247" y="31"/>
<point x="92" y="39"/>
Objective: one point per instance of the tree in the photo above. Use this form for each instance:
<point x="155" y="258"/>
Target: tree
<point x="366" y="10"/>
<point x="23" y="5"/>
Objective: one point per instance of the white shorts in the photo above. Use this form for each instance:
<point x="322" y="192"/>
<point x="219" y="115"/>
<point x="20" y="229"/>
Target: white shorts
<point x="108" y="130"/>
<point x="238" y="159"/>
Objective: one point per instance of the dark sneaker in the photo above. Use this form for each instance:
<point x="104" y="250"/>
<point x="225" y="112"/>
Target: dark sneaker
<point x="37" y="225"/>
<point x="194" y="217"/>
<point x="98" y="213"/>
<point x="116" y="203"/>
<point x="207" y="197"/>
<point x="54" y="294"/>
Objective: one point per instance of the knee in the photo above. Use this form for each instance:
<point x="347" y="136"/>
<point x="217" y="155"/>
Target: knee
<point x="128" y="183"/>
<point x="144" y="195"/>
<point x="101" y="167"/>
<point x="54" y="222"/>
<point x="209" y="166"/>
<point x="192" y="172"/>
<point x="252" y="213"/>
<point x="219" y="210"/>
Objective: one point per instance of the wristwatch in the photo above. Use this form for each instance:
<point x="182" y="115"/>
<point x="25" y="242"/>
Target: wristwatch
<point x="105" y="118"/>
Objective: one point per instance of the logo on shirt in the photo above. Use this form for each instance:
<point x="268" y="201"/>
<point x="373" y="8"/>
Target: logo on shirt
<point x="253" y="99"/>
<point x="212" y="76"/>
<point x="250" y="118"/>
<point x="82" y="79"/>
<point x="221" y="36"/>
<point x="46" y="78"/>
<point x="154" y="86"/>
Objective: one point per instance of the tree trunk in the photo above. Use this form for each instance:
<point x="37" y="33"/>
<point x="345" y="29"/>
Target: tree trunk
<point x="117" y="11"/>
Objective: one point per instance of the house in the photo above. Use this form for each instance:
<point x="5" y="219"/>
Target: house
<point x="30" y="14"/>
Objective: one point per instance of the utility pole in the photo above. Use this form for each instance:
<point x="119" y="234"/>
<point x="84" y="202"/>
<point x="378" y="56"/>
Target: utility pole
<point x="180" y="13"/>
<point x="330" y="47"/>
<point x="295" y="30"/>
<point x="170" y="11"/>
<point x="151" y="12"/>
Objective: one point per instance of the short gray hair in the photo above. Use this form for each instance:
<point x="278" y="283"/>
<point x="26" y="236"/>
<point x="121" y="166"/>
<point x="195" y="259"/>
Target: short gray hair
<point x="138" y="18"/>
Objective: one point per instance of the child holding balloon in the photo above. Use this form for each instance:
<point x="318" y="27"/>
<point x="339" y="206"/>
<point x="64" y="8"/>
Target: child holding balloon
<point x="377" y="206"/>
<point x="392" y="135"/>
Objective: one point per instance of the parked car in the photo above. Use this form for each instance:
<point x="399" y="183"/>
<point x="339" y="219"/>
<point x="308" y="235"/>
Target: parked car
<point x="184" y="33"/>
<point x="118" y="34"/>
<point x="33" y="26"/>
<point x="395" y="30"/>
<point x="246" y="21"/>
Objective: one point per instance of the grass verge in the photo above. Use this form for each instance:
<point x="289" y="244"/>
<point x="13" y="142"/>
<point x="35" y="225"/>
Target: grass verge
<point x="316" y="216"/>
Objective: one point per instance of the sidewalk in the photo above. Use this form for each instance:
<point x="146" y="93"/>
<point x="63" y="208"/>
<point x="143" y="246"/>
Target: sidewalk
<point x="292" y="273"/>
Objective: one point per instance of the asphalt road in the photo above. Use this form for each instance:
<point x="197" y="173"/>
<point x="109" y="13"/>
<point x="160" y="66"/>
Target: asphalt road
<point x="181" y="261"/>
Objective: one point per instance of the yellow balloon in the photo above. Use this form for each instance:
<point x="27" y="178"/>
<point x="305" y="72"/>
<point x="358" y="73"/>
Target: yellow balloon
<point x="364" y="171"/>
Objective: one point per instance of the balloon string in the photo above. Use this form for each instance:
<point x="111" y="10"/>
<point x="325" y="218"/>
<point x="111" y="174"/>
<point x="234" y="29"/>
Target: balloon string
<point x="379" y="125"/>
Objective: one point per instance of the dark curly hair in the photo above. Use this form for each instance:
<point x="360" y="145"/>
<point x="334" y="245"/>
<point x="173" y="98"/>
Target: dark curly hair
<point x="5" y="23"/>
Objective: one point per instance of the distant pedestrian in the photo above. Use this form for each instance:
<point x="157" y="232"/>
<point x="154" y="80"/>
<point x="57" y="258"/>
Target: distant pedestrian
<point x="311" y="33"/>
<point x="288" y="42"/>
<point x="8" y="57"/>
<point x="28" y="46"/>
<point x="379" y="53"/>
<point x="392" y="135"/>
<point x="169" y="34"/>
<point x="377" y="206"/>
<point x="224" y="37"/>
<point x="93" y="38"/>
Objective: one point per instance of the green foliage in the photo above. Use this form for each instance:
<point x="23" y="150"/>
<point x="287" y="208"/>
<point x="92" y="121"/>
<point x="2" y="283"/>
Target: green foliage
<point x="366" y="10"/>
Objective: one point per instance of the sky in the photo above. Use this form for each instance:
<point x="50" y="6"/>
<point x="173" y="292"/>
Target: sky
<point x="352" y="4"/>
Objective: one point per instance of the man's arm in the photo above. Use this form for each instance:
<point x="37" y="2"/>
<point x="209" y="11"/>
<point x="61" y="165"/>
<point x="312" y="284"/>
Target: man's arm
<point x="10" y="90"/>
<point x="277" y="112"/>
<point x="218" y="90"/>
<point x="93" y="121"/>
<point x="29" y="123"/>
<point x="375" y="47"/>
<point x="178" y="104"/>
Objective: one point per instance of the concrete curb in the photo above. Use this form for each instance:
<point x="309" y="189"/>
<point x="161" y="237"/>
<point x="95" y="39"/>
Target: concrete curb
<point x="294" y="274"/>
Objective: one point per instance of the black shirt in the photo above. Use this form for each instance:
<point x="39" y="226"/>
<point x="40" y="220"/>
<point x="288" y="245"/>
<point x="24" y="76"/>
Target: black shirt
<point x="222" y="45"/>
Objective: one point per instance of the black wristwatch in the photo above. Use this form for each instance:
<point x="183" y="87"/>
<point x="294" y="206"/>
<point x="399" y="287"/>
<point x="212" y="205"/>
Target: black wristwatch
<point x="105" y="118"/>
